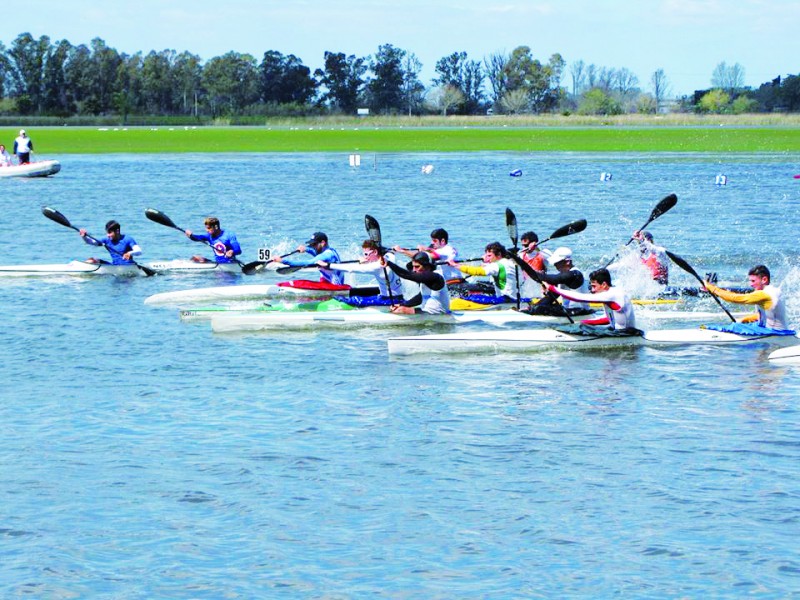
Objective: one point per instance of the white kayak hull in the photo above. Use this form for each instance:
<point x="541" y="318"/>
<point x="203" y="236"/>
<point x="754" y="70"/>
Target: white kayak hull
<point x="524" y="340"/>
<point x="531" y="339"/>
<point x="692" y="336"/>
<point x="295" y="318"/>
<point x="43" y="168"/>
<point x="75" y="267"/>
<point x="79" y="267"/>
<point x="232" y="293"/>
<point x="191" y="267"/>
<point x="786" y="356"/>
<point x="251" y="321"/>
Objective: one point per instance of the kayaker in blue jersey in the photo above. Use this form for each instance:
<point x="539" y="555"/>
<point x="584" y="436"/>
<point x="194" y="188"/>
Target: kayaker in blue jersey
<point x="122" y="248"/>
<point x="226" y="247"/>
<point x="314" y="251"/>
<point x="433" y="297"/>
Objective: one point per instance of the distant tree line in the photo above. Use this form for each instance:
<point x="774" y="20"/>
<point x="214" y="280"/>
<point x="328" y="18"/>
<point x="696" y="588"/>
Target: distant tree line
<point x="43" y="78"/>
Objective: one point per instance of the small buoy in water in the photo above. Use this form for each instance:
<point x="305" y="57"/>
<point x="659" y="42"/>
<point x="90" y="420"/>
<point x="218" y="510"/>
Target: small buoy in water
<point x="516" y="173"/>
<point x="721" y="180"/>
<point x="427" y="169"/>
<point x="605" y="176"/>
<point x="355" y="160"/>
<point x="797" y="176"/>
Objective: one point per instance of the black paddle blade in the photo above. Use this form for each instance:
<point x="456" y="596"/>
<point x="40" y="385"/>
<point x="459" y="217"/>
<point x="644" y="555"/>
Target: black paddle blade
<point x="688" y="268"/>
<point x="54" y="215"/>
<point x="511" y="226"/>
<point x="253" y="267"/>
<point x="146" y="270"/>
<point x="684" y="265"/>
<point x="373" y="229"/>
<point x="569" y="229"/>
<point x="663" y="206"/>
<point x="159" y="217"/>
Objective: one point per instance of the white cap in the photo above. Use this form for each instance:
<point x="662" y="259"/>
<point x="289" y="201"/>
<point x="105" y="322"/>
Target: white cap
<point x="22" y="132"/>
<point x="559" y="254"/>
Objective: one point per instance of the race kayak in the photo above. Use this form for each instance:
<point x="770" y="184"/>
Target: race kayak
<point x="532" y="339"/>
<point x="43" y="168"/>
<point x="520" y="340"/>
<point x="75" y="267"/>
<point x="786" y="356"/>
<point x="227" y="293"/>
<point x="500" y="315"/>
<point x="79" y="267"/>
<point x="739" y="334"/>
<point x="181" y="266"/>
<point x="252" y="321"/>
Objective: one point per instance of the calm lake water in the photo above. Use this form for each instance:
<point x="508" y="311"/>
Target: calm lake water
<point x="146" y="458"/>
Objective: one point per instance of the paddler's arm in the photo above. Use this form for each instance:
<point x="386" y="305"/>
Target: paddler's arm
<point x="578" y="297"/>
<point x="406" y="251"/>
<point x="758" y="297"/>
<point x="89" y="239"/>
<point x="299" y="261"/>
<point x="430" y="278"/>
<point x="365" y="267"/>
<point x="467" y="269"/>
<point x="200" y="237"/>
<point x="133" y="250"/>
<point x="235" y="249"/>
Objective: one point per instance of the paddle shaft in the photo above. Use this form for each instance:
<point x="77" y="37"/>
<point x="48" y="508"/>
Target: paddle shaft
<point x="689" y="269"/>
<point x="287" y="270"/>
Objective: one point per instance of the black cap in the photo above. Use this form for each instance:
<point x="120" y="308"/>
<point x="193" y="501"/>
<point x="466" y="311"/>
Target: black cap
<point x="112" y="225"/>
<point x="317" y="238"/>
<point x="422" y="258"/>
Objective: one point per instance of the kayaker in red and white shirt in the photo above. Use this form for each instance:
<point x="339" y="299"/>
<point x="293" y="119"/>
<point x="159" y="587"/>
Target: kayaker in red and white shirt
<point x="616" y="303"/>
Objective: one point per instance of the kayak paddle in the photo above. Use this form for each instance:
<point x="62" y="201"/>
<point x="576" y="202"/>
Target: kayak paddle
<point x="513" y="233"/>
<point x="159" y="217"/>
<point x="288" y="270"/>
<point x="563" y="231"/>
<point x="568" y="229"/>
<point x="257" y="265"/>
<point x="374" y="232"/>
<point x="662" y="207"/>
<point x="688" y="268"/>
<point x="56" y="216"/>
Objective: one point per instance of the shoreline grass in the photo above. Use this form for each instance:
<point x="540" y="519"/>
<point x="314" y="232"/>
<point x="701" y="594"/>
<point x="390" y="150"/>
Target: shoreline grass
<point x="629" y="133"/>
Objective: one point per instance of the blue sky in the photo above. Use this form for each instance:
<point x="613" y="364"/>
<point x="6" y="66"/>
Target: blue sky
<point x="686" y="38"/>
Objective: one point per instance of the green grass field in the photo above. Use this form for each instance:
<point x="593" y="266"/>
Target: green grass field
<point x="366" y="136"/>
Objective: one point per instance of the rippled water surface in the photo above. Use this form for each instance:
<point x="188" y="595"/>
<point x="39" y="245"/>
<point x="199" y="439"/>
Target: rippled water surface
<point x="146" y="458"/>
